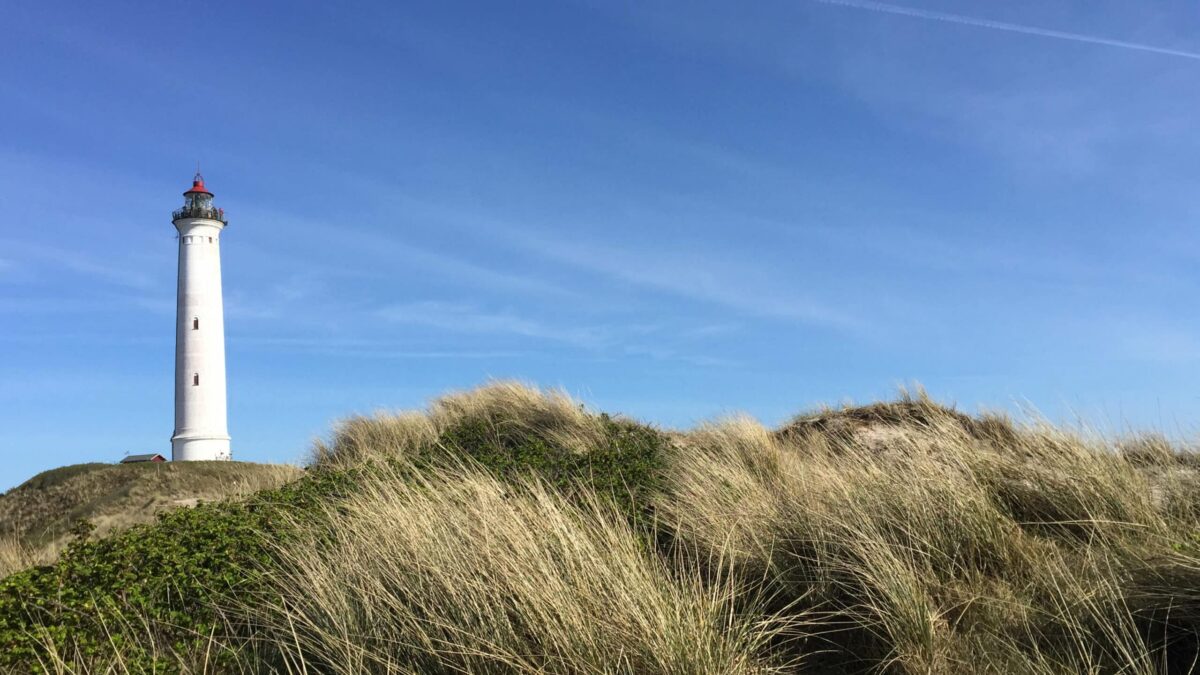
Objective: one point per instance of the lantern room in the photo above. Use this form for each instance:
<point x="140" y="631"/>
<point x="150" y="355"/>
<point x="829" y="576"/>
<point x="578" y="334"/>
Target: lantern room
<point x="198" y="203"/>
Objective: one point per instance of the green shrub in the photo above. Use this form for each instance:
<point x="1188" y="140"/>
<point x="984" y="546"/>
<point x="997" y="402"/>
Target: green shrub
<point x="162" y="581"/>
<point x="626" y="464"/>
<point x="511" y="429"/>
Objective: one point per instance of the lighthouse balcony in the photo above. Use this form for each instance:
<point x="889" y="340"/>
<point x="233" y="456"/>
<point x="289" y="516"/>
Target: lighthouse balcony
<point x="209" y="212"/>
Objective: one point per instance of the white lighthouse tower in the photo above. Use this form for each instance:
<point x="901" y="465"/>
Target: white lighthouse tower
<point x="201" y="432"/>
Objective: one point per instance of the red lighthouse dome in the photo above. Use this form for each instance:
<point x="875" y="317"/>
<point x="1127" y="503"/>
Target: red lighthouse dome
<point x="198" y="186"/>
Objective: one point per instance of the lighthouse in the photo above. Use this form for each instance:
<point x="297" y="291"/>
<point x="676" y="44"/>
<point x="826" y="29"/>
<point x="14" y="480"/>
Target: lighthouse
<point x="201" y="431"/>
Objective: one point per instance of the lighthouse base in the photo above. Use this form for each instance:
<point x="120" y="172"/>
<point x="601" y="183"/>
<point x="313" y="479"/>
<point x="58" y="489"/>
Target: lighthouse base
<point x="200" y="449"/>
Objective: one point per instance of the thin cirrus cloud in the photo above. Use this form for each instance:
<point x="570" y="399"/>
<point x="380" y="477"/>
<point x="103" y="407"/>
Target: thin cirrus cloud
<point x="398" y="254"/>
<point x="55" y="260"/>
<point x="715" y="280"/>
<point x="603" y="343"/>
<point x="365" y="348"/>
<point x="694" y="278"/>
<point x="963" y="20"/>
<point x="465" y="318"/>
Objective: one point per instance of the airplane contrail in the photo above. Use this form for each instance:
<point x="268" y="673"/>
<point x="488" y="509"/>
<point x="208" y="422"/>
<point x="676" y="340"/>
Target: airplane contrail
<point x="1001" y="25"/>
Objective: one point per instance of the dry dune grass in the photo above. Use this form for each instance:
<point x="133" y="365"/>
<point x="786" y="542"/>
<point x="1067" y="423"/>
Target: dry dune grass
<point x="905" y="536"/>
<point x="459" y="572"/>
<point x="502" y="409"/>
<point x="16" y="555"/>
<point x="900" y="537"/>
<point x="951" y="548"/>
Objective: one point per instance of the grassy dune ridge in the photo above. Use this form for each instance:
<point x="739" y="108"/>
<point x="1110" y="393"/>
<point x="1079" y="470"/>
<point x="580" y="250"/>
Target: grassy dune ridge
<point x="37" y="517"/>
<point x="512" y="530"/>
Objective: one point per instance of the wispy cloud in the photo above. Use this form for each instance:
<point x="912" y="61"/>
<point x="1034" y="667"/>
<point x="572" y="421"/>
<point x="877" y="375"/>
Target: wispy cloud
<point x="1094" y="113"/>
<point x="303" y="294"/>
<point x="713" y="330"/>
<point x="366" y="348"/>
<point x="460" y="269"/>
<point x="976" y="22"/>
<point x="94" y="303"/>
<point x="714" y="279"/>
<point x="667" y="354"/>
<point x="465" y="318"/>
<point x="600" y="339"/>
<point x="399" y="254"/>
<point x="694" y="277"/>
<point x="62" y="259"/>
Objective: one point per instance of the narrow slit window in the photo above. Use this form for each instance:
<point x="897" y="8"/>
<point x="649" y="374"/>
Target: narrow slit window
<point x="210" y="240"/>
<point x="195" y="379"/>
<point x="195" y="323"/>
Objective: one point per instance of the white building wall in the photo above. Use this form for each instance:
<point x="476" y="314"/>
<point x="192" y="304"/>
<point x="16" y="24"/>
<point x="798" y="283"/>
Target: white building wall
<point x="201" y="431"/>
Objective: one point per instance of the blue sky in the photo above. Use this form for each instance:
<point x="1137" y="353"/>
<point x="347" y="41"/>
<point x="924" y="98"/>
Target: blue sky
<point x="673" y="210"/>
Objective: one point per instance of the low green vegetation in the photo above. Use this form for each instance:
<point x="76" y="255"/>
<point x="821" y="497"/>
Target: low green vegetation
<point x="512" y="530"/>
<point x="37" y="517"/>
<point x="150" y="595"/>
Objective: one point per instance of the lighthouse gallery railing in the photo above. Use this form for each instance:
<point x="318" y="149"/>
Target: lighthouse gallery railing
<point x="209" y="212"/>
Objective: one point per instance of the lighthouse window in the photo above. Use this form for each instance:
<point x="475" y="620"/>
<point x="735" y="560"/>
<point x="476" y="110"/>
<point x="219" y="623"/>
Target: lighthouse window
<point x="210" y="240"/>
<point x="196" y="323"/>
<point x="195" y="379"/>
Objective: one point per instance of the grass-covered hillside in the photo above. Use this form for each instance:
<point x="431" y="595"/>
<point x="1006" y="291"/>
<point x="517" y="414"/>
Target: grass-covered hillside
<point x="507" y="530"/>
<point x="38" y="516"/>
